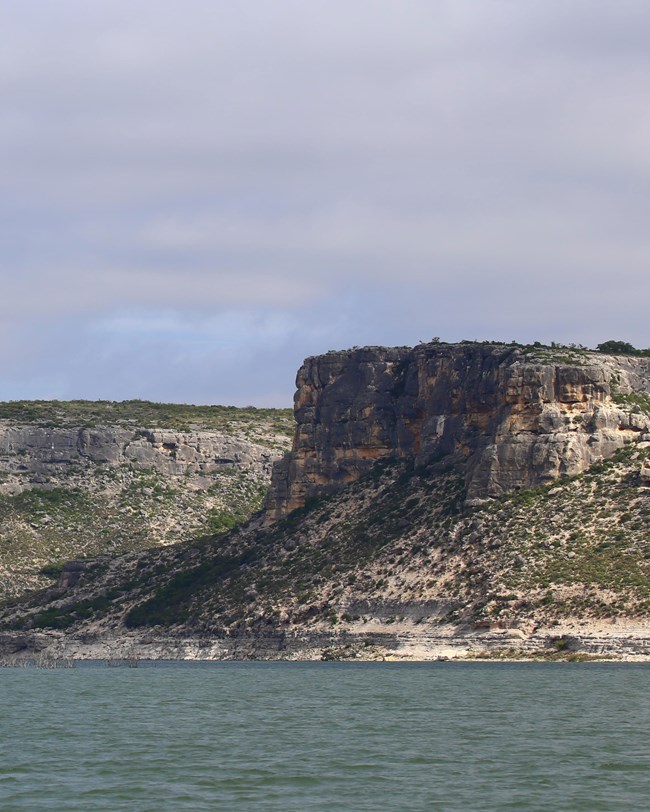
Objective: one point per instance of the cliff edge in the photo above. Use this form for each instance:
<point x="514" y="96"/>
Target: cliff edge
<point x="509" y="417"/>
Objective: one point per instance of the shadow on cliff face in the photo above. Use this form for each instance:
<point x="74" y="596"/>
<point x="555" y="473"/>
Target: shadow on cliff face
<point x="395" y="547"/>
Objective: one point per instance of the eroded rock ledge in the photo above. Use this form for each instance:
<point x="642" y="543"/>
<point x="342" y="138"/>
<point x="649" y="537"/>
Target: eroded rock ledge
<point x="33" y="455"/>
<point x="511" y="418"/>
<point x="628" y="641"/>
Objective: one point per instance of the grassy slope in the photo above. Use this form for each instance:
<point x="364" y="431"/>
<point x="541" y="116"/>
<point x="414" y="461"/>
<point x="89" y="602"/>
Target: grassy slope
<point x="396" y="542"/>
<point x="41" y="529"/>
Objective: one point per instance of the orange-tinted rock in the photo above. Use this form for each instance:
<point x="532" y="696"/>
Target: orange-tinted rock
<point x="509" y="420"/>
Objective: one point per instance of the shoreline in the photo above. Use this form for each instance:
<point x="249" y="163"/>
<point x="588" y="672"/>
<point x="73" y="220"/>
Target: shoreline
<point x="576" y="641"/>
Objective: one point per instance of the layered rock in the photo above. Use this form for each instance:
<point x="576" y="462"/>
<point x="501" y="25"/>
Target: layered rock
<point x="35" y="455"/>
<point x="510" y="418"/>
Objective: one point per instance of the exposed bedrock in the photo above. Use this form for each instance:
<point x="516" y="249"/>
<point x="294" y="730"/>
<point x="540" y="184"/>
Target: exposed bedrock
<point x="512" y="419"/>
<point x="28" y="452"/>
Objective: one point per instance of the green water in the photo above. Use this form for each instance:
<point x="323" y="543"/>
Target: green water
<point x="326" y="736"/>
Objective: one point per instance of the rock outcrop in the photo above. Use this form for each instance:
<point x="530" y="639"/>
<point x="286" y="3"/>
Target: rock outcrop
<point x="37" y="455"/>
<point x="510" y="417"/>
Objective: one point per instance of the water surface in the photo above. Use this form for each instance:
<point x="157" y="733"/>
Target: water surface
<point x="312" y="737"/>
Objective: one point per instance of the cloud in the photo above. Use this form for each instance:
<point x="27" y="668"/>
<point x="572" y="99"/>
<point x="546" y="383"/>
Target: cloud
<point x="360" y="171"/>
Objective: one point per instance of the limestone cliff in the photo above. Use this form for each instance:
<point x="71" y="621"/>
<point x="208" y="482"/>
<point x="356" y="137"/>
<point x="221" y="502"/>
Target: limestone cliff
<point x="510" y="417"/>
<point x="70" y="491"/>
<point x="33" y="455"/>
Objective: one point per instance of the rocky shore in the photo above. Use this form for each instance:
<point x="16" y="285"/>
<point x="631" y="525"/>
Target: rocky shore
<point x="576" y="640"/>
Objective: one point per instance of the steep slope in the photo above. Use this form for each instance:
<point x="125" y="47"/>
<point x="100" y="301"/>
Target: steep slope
<point x="80" y="479"/>
<point x="400" y="552"/>
<point x="393" y="563"/>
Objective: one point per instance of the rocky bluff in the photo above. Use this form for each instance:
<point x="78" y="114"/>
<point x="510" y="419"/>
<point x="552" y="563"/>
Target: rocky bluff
<point x="510" y="417"/>
<point x="33" y="455"/>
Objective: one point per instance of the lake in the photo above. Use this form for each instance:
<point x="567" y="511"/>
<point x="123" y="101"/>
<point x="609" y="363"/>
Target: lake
<point x="312" y="737"/>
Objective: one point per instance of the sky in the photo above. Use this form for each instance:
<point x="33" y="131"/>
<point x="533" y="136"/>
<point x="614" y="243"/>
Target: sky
<point x="195" y="195"/>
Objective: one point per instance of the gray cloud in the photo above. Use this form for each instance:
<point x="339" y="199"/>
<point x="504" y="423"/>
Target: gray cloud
<point x="285" y="177"/>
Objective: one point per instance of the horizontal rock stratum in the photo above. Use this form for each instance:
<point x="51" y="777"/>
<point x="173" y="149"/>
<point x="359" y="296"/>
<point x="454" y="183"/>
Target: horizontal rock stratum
<point x="511" y="417"/>
<point x="32" y="455"/>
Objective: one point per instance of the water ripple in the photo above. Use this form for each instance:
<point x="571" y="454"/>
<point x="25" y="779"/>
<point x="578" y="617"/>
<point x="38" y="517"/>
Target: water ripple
<point x="288" y="737"/>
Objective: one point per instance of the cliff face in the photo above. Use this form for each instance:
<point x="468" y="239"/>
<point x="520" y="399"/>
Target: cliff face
<point x="32" y="455"/>
<point x="393" y="560"/>
<point x="510" y="418"/>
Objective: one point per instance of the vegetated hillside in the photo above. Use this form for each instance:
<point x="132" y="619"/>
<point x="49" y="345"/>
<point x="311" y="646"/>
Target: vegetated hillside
<point x="80" y="479"/>
<point x="464" y="486"/>
<point x="396" y="547"/>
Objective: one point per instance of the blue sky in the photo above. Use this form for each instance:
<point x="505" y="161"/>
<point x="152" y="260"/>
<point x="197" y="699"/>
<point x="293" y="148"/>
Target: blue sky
<point x="196" y="195"/>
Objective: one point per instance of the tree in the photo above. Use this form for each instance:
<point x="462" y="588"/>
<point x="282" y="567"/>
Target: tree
<point x="617" y="348"/>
